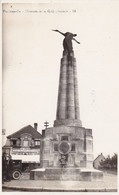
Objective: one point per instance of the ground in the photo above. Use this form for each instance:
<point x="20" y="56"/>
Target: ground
<point x="109" y="183"/>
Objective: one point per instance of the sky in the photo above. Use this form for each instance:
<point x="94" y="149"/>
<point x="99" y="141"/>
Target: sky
<point x="31" y="65"/>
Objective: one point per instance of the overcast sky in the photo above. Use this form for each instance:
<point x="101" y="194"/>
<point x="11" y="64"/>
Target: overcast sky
<point x="31" y="64"/>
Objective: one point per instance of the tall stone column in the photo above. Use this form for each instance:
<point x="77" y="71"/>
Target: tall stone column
<point x="62" y="93"/>
<point x="76" y="95"/>
<point x="70" y="90"/>
<point x="68" y="102"/>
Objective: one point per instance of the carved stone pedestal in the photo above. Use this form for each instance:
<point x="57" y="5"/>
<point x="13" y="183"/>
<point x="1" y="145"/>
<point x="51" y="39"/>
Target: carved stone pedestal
<point x="66" y="154"/>
<point x="66" y="151"/>
<point x="66" y="174"/>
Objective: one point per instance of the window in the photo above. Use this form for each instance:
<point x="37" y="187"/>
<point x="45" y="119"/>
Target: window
<point x="25" y="143"/>
<point x="14" y="142"/>
<point x="26" y="140"/>
<point x="37" y="143"/>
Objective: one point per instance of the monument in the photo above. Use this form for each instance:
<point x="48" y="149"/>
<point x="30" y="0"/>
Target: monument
<point x="67" y="148"/>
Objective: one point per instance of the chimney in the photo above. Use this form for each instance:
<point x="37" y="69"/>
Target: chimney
<point x="35" y="126"/>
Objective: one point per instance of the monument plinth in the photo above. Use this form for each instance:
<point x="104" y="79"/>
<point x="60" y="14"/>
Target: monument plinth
<point x="67" y="148"/>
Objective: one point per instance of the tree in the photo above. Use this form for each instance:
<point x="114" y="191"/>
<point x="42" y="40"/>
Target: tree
<point x="109" y="162"/>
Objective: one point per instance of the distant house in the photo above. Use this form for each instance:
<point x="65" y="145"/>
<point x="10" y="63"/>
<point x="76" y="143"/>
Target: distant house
<point x="96" y="162"/>
<point x="24" y="145"/>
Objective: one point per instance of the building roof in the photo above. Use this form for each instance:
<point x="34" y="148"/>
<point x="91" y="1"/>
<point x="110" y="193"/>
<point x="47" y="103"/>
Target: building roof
<point x="28" y="129"/>
<point x="99" y="157"/>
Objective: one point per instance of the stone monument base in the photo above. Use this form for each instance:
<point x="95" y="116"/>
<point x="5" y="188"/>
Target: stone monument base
<point x="69" y="174"/>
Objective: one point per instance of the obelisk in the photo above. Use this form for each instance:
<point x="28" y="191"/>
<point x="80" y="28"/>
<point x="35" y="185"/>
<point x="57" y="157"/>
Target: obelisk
<point x="68" y="102"/>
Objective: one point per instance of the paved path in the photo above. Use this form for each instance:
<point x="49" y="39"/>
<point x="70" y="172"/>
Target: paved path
<point x="109" y="184"/>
